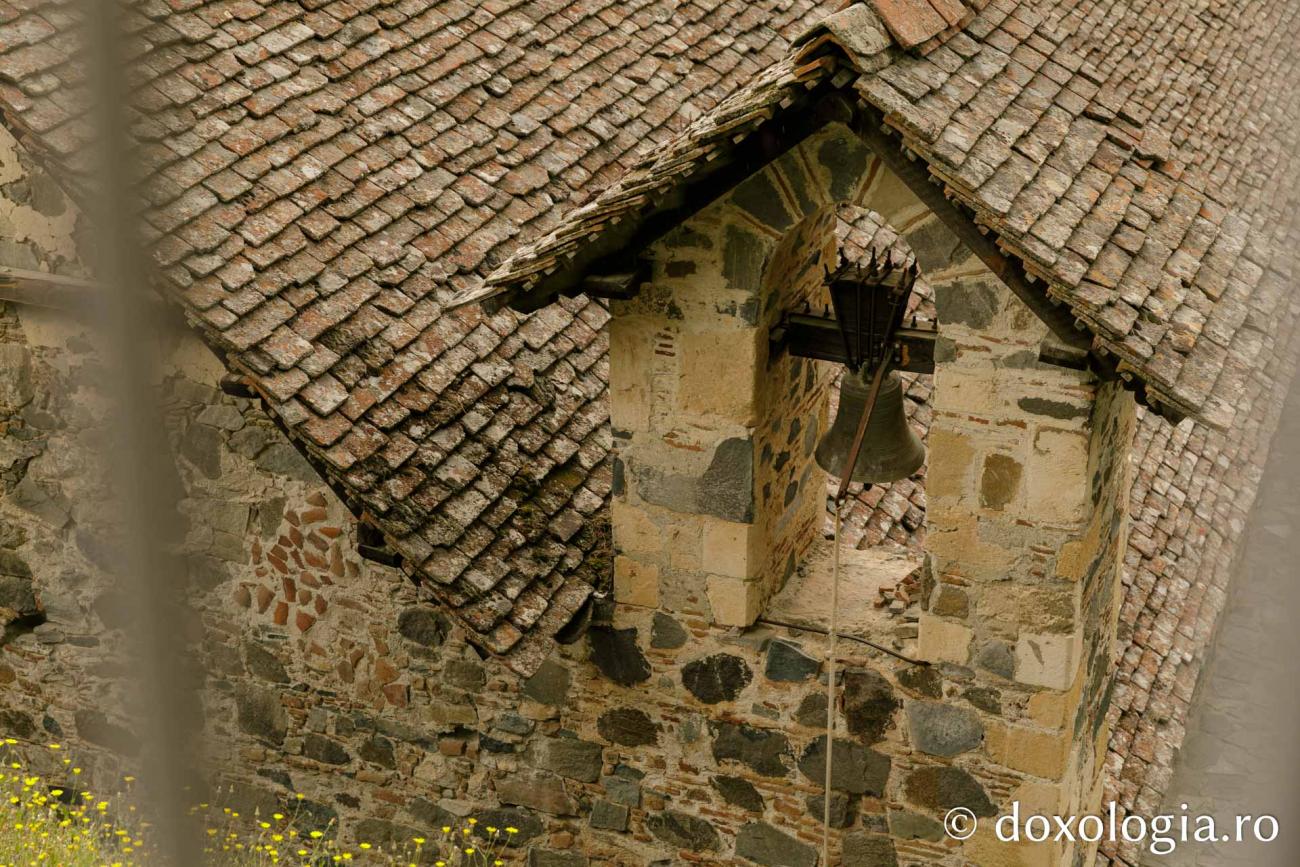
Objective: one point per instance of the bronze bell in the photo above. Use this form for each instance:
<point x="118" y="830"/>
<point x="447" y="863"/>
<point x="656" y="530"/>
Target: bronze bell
<point x="890" y="449"/>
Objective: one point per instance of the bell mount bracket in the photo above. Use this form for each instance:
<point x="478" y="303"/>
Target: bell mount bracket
<point x="867" y="327"/>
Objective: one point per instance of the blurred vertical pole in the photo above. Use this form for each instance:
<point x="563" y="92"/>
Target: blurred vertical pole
<point x="151" y="572"/>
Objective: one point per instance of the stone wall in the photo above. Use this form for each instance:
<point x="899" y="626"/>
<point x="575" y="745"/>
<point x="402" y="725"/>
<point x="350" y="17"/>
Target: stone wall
<point x="1027" y="494"/>
<point x="720" y="493"/>
<point x="666" y="734"/>
<point x="37" y="222"/>
<point x="657" y="739"/>
<point x="1027" y="498"/>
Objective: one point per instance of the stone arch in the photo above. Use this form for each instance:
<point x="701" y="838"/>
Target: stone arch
<point x="780" y="231"/>
<point x="703" y="414"/>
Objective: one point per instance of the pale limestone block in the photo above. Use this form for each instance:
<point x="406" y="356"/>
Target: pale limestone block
<point x="685" y="552"/>
<point x="631" y="355"/>
<point x="1052" y="708"/>
<point x="635" y="532"/>
<point x="635" y="582"/>
<point x="986" y="850"/>
<point x="952" y="462"/>
<point x="944" y="640"/>
<point x="1039" y="607"/>
<point x="730" y="549"/>
<point x="1057" y="478"/>
<point x="1042" y="753"/>
<point x="958" y="548"/>
<point x="1075" y="556"/>
<point x="1048" y="660"/>
<point x="969" y="391"/>
<point x="1039" y="798"/>
<point x="734" y="602"/>
<point x="629" y="408"/>
<point x="718" y="375"/>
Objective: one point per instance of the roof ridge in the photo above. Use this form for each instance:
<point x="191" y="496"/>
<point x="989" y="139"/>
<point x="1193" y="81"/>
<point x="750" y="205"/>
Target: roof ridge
<point x="873" y="29"/>
<point x="1081" y="187"/>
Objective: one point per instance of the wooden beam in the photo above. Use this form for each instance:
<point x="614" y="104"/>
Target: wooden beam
<point x="80" y="298"/>
<point x="819" y="337"/>
<point x="373" y="545"/>
<point x="55" y="291"/>
<point x="237" y="385"/>
<point x="621" y="286"/>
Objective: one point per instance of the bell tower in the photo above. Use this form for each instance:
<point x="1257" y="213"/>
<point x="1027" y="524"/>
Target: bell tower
<point x="719" y="387"/>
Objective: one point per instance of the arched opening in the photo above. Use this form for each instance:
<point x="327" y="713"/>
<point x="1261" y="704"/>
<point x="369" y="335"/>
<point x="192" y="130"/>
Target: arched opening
<point x="889" y="515"/>
<point x="882" y="529"/>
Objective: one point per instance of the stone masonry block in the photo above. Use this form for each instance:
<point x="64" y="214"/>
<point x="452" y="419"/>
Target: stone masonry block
<point x="1039" y="607"/>
<point x="635" y="532"/>
<point x="718" y="372"/>
<point x="631" y="353"/>
<point x="987" y="850"/>
<point x="1051" y="708"/>
<point x="999" y="481"/>
<point x="1057" y="477"/>
<point x="685" y="546"/>
<point x="934" y="244"/>
<point x="724" y="488"/>
<point x="943" y="640"/>
<point x="1043" y="753"/>
<point x="967" y="391"/>
<point x="15" y="375"/>
<point x="960" y="548"/>
<point x="952" y="456"/>
<point x="635" y="582"/>
<point x="734" y="602"/>
<point x="730" y="549"/>
<point x="1048" y="660"/>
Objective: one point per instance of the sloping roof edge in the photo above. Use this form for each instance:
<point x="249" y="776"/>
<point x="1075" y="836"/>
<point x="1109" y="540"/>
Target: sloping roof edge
<point x="629" y="214"/>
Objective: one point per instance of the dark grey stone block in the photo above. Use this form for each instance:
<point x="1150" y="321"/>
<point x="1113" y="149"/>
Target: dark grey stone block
<point x="717" y="678"/>
<point x="762" y="750"/>
<point x="687" y="832"/>
<point x="943" y="729"/>
<point x="616" y="654"/>
<point x="549" y="684"/>
<point x="666" y="633"/>
<point x="738" y="792"/>
<point x="608" y="816"/>
<point x="941" y="788"/>
<point x="759" y="841"/>
<point x="856" y="769"/>
<point x="628" y="726"/>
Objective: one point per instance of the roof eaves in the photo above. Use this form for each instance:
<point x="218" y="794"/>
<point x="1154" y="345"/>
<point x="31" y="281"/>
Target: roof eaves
<point x="741" y="135"/>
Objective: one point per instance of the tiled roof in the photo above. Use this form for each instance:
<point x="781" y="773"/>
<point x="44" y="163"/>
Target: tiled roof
<point x="324" y="175"/>
<point x="1135" y="157"/>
